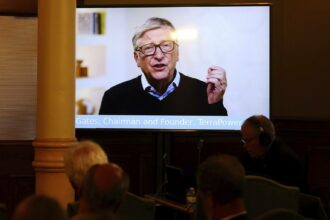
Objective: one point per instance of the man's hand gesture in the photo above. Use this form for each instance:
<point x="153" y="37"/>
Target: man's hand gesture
<point x="216" y="84"/>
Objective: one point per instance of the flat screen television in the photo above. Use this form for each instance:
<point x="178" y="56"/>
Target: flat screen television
<point x="234" y="37"/>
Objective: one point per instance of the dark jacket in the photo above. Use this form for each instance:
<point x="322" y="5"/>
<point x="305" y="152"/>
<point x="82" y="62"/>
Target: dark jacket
<point x="279" y="163"/>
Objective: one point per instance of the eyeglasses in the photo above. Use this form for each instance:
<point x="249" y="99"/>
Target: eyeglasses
<point x="150" y="49"/>
<point x="247" y="140"/>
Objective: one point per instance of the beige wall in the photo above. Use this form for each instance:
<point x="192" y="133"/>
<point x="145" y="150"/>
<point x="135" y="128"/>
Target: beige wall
<point x="302" y="72"/>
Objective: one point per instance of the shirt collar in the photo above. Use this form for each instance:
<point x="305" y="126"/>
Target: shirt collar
<point x="146" y="85"/>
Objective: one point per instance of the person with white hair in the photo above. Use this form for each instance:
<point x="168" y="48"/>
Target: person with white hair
<point x="78" y="160"/>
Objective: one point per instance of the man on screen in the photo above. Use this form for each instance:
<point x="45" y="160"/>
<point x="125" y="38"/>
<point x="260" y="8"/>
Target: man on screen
<point x="161" y="89"/>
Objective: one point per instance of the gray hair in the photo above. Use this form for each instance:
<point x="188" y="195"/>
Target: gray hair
<point x="80" y="158"/>
<point x="151" y="24"/>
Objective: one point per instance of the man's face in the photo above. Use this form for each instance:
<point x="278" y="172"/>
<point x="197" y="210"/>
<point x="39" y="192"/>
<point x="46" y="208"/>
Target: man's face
<point x="250" y="138"/>
<point x="160" y="66"/>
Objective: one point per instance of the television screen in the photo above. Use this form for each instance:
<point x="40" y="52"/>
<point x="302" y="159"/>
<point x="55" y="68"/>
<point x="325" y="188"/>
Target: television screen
<point x="209" y="71"/>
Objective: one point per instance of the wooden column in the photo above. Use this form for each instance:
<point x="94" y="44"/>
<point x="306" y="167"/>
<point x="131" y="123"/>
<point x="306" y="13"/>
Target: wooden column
<point x="55" y="98"/>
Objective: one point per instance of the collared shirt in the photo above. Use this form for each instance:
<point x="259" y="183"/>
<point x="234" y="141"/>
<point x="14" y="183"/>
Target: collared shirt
<point x="152" y="91"/>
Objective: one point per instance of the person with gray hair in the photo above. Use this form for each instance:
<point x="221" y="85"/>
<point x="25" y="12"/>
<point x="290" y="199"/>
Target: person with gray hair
<point x="79" y="159"/>
<point x="267" y="155"/>
<point x="221" y="186"/>
<point x="161" y="89"/>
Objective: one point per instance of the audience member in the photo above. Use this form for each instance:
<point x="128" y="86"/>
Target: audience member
<point x="104" y="189"/>
<point x="221" y="182"/>
<point x="77" y="162"/>
<point x="39" y="207"/>
<point x="266" y="155"/>
<point x="79" y="159"/>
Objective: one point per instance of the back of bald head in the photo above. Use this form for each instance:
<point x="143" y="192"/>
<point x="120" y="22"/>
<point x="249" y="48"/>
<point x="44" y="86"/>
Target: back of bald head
<point x="39" y="207"/>
<point x="105" y="186"/>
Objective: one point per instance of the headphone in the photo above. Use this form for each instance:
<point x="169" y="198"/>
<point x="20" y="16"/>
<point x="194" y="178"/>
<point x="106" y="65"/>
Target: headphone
<point x="265" y="138"/>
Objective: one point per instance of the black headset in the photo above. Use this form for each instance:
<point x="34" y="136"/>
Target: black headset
<point x="265" y="138"/>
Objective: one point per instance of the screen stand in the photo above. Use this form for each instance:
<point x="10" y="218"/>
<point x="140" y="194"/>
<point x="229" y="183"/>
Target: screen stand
<point x="163" y="158"/>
